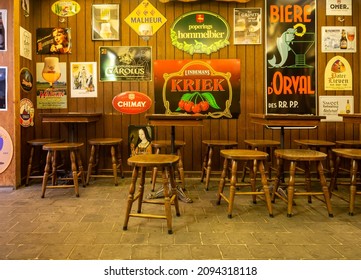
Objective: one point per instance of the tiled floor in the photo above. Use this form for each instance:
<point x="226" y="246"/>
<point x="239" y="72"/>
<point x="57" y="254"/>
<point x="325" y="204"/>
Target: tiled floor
<point x="62" y="226"/>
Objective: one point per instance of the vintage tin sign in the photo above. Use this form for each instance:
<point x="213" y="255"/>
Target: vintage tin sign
<point x="65" y="8"/>
<point x="26" y="112"/>
<point x="338" y="74"/>
<point x="6" y="149"/>
<point x="205" y="87"/>
<point x="132" y="102"/>
<point x="200" y="32"/>
<point x="26" y="79"/>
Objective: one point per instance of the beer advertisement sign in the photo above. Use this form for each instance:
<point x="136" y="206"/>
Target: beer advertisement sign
<point x="204" y="87"/>
<point x="291" y="57"/>
<point x="338" y="74"/>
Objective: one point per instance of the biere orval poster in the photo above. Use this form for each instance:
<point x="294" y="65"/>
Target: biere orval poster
<point x="291" y="57"/>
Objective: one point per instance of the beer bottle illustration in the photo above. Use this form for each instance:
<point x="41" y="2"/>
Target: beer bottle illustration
<point x="348" y="107"/>
<point x="343" y="41"/>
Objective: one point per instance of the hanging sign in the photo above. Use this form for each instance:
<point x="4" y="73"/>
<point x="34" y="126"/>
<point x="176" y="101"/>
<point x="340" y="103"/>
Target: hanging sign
<point x="6" y="149"/>
<point x="204" y="87"/>
<point x="338" y="74"/>
<point x="200" y="32"/>
<point x="65" y="8"/>
<point x="132" y="102"/>
<point x="26" y="79"/>
<point x="291" y="57"/>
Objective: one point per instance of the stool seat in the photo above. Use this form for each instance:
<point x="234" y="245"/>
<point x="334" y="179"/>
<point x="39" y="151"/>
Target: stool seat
<point x="305" y="156"/>
<point x="167" y="143"/>
<point x="37" y="143"/>
<point x="94" y="158"/>
<point x="348" y="143"/>
<point x="139" y="163"/>
<point x="207" y="161"/>
<point x="354" y="155"/>
<point x="75" y="164"/>
<point x="315" y="143"/>
<point x="261" y="143"/>
<point x="255" y="159"/>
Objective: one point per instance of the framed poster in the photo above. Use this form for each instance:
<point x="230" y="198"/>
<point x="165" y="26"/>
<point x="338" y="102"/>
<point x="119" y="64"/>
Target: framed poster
<point x="125" y="64"/>
<point x="83" y="79"/>
<point x="247" y="26"/>
<point x="56" y="40"/>
<point x="3" y="88"/>
<point x="338" y="8"/>
<point x="140" y="139"/>
<point x="25" y="43"/>
<point x="291" y="57"/>
<point x="331" y="106"/>
<point x="338" y="39"/>
<point x="3" y="30"/>
<point x="105" y="22"/>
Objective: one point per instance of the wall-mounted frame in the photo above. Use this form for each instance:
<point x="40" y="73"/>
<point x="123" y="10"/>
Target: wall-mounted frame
<point x="338" y="8"/>
<point x="3" y="88"/>
<point x="338" y="39"/>
<point x="53" y="40"/>
<point x="3" y="30"/>
<point x="105" y="22"/>
<point x="83" y="79"/>
<point x="247" y="26"/>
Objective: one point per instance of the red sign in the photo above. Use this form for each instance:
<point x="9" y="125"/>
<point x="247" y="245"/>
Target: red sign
<point x="131" y="102"/>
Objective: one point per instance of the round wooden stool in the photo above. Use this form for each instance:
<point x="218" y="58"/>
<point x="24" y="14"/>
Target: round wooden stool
<point x="32" y="172"/>
<point x="354" y="155"/>
<point x="159" y="145"/>
<point x="318" y="145"/>
<point x="349" y="144"/>
<point x="167" y="164"/>
<point x="94" y="160"/>
<point x="256" y="160"/>
<point x="304" y="156"/>
<point x="267" y="146"/>
<point x="51" y="163"/>
<point x="207" y="161"/>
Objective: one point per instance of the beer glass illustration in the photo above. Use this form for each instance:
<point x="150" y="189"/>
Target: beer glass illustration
<point x="51" y="71"/>
<point x="351" y="39"/>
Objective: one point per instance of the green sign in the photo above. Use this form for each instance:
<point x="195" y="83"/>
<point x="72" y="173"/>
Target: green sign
<point x="200" y="32"/>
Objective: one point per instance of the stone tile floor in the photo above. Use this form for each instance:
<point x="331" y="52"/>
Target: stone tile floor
<point x="62" y="226"/>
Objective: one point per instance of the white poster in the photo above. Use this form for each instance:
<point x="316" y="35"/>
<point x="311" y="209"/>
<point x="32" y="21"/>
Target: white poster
<point x="83" y="79"/>
<point x="339" y="7"/>
<point x="331" y="106"/>
<point x="25" y="43"/>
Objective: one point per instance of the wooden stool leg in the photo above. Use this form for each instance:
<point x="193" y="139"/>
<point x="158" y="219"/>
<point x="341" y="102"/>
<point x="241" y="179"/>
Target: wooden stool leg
<point x="325" y="188"/>
<point x="209" y="167"/>
<point x="114" y="165"/>
<point x="181" y="169"/>
<point x="54" y="160"/>
<point x="253" y="180"/>
<point x="131" y="196"/>
<point x="333" y="183"/>
<point x="90" y="164"/>
<point x="80" y="168"/>
<point x="222" y="181"/>
<point x="308" y="180"/>
<point x="232" y="191"/>
<point x="173" y="195"/>
<point x="120" y="162"/>
<point x="354" y="167"/>
<point x="46" y="173"/>
<point x="266" y="191"/>
<point x="291" y="188"/>
<point x="154" y="172"/>
<point x="167" y="204"/>
<point x="204" y="164"/>
<point x="140" y="194"/>
<point x="75" y="172"/>
<point x="29" y="166"/>
<point x="277" y="181"/>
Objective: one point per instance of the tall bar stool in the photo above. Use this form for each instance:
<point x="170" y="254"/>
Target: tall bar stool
<point x="114" y="145"/>
<point x="267" y="146"/>
<point x="51" y="167"/>
<point x="318" y="145"/>
<point x="207" y="161"/>
<point x="354" y="156"/>
<point x="256" y="160"/>
<point x="306" y="157"/>
<point x="140" y="163"/>
<point x="160" y="145"/>
<point x="37" y="144"/>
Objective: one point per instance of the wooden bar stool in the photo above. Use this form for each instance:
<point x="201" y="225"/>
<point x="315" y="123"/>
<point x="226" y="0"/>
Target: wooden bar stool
<point x="318" y="145"/>
<point x="167" y="164"/>
<point x="349" y="144"/>
<point x="256" y="161"/>
<point x="267" y="146"/>
<point x="304" y="156"/>
<point x="73" y="149"/>
<point x="159" y="145"/>
<point x="354" y="155"/>
<point x="207" y="161"/>
<point x="36" y="144"/>
<point x="114" y="145"/>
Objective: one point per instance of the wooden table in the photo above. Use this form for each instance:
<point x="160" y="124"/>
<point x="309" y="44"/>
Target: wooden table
<point x="70" y="118"/>
<point x="286" y="120"/>
<point x="173" y="121"/>
<point x="351" y="118"/>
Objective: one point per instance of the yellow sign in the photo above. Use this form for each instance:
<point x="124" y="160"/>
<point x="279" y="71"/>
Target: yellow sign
<point x="145" y="20"/>
<point x="338" y="74"/>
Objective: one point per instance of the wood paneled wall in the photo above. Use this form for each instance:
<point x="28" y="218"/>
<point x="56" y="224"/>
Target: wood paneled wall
<point x="113" y="124"/>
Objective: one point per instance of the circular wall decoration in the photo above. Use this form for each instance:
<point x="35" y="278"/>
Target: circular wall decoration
<point x="6" y="149"/>
<point x="26" y="79"/>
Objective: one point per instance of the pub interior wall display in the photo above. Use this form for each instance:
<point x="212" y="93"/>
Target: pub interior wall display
<point x="105" y="22"/>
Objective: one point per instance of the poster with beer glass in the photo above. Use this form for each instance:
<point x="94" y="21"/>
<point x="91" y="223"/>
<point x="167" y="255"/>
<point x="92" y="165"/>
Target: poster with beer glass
<point x="338" y="39"/>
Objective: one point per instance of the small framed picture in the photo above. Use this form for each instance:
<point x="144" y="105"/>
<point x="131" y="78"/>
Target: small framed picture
<point x="3" y="89"/>
<point x="105" y="22"/>
<point x="3" y="30"/>
<point x="140" y="139"/>
<point x="247" y="26"/>
<point x="338" y="39"/>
